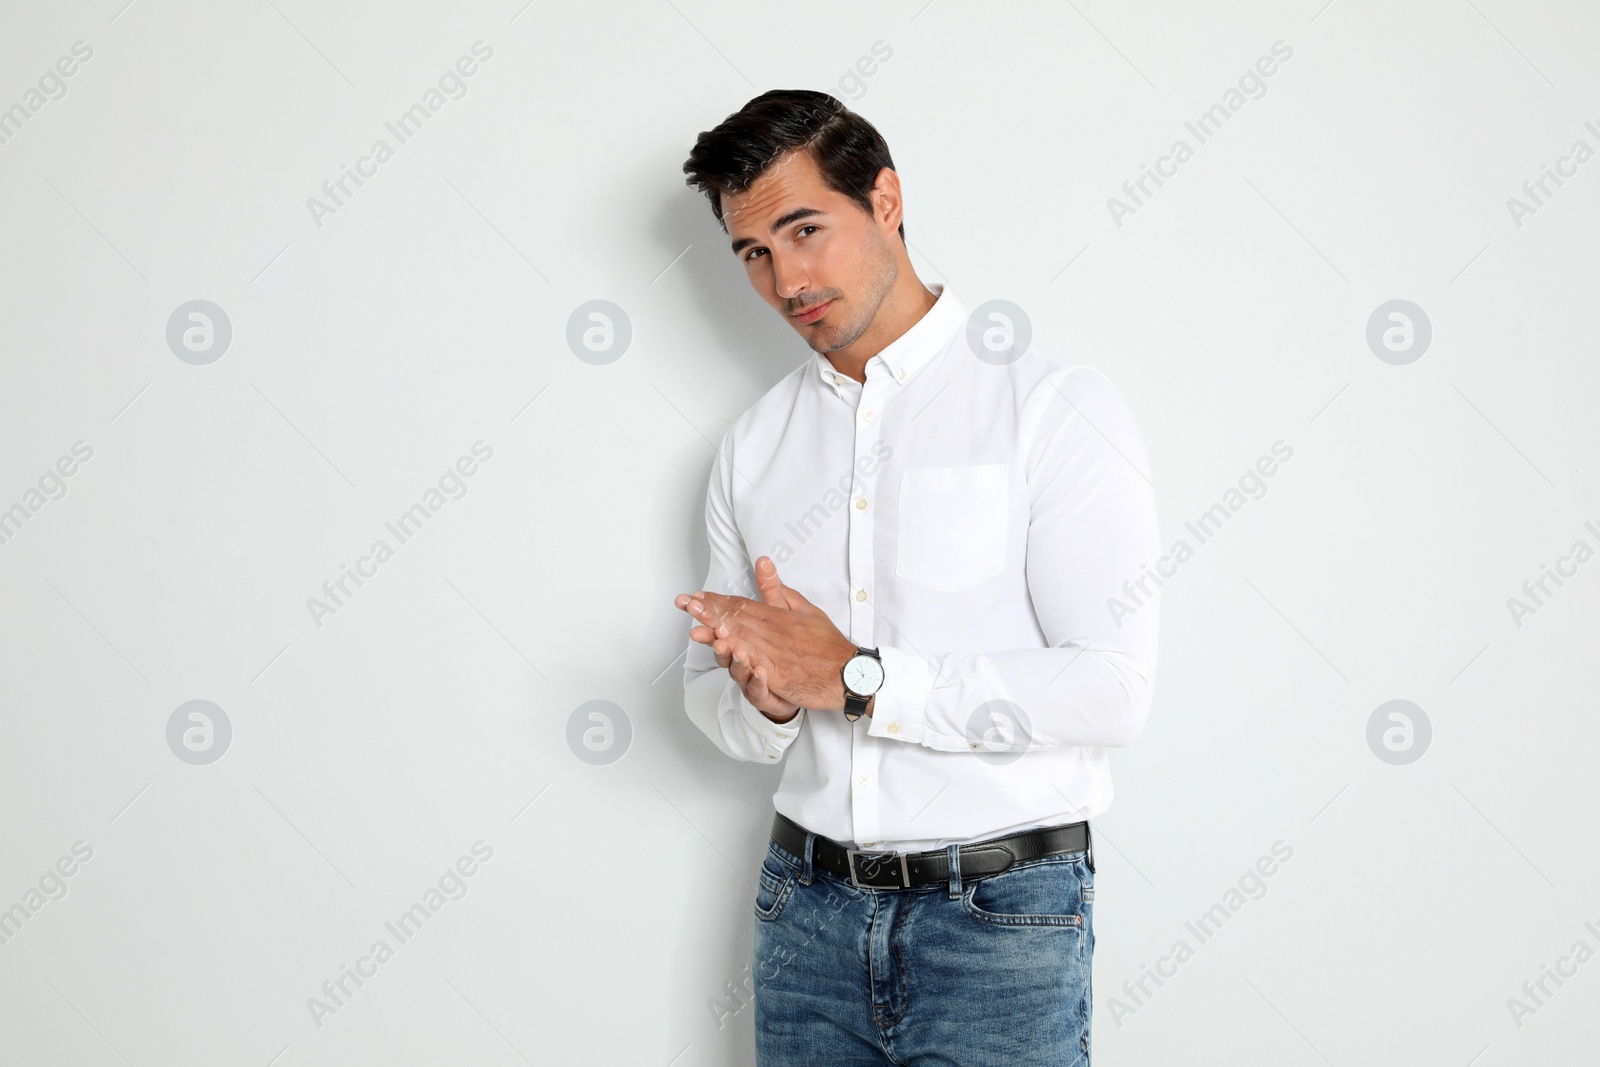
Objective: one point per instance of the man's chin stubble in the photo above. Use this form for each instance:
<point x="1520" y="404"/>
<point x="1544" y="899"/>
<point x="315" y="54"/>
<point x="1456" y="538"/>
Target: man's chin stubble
<point x="833" y="338"/>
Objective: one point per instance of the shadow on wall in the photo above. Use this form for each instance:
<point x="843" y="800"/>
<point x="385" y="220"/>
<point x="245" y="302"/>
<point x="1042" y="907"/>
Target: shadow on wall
<point x="740" y="335"/>
<point x="738" y="338"/>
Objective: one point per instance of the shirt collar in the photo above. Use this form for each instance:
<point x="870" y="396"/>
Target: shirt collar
<point x="912" y="350"/>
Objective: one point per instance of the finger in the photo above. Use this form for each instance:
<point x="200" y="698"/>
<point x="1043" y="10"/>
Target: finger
<point x="798" y="603"/>
<point x="690" y="602"/>
<point x="757" y="689"/>
<point x="743" y="647"/>
<point x="774" y="592"/>
<point x="715" y="609"/>
<point x="726" y="635"/>
<point x="768" y="584"/>
<point x="761" y="695"/>
<point x="711" y="608"/>
<point x="762" y="632"/>
<point x="727" y="651"/>
<point x="708" y="631"/>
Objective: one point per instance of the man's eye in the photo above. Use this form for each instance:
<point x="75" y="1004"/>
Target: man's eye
<point x="800" y="233"/>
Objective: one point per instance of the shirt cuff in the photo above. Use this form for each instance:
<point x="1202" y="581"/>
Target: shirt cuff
<point x="775" y="737"/>
<point x="899" y="711"/>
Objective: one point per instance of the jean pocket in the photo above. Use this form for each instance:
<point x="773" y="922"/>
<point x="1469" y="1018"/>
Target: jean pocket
<point x="1047" y="892"/>
<point x="953" y="525"/>
<point x="774" y="885"/>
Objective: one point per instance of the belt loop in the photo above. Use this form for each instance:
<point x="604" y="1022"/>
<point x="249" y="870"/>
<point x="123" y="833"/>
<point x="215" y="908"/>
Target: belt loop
<point x="953" y="859"/>
<point x="1089" y="843"/>
<point x="806" y="868"/>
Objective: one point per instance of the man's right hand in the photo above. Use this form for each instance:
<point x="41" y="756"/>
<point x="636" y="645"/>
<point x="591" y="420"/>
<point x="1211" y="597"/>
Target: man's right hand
<point x="752" y="679"/>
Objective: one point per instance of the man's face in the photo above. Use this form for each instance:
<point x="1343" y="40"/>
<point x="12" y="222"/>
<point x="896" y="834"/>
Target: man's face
<point x="808" y="249"/>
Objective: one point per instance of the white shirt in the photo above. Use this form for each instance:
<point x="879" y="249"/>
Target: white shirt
<point x="975" y="521"/>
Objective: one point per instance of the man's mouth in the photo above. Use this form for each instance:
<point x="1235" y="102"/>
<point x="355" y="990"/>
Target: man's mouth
<point x="812" y="314"/>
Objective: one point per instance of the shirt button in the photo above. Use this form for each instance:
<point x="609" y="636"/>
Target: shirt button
<point x="894" y="728"/>
<point x="865" y="779"/>
<point x="866" y="416"/>
<point x="861" y="594"/>
<point x="901" y="376"/>
<point x="861" y="504"/>
<point x="838" y="379"/>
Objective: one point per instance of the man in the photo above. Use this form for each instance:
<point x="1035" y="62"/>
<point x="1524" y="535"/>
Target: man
<point x="956" y="638"/>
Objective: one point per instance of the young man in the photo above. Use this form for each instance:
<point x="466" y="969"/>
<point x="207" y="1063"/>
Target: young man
<point x="964" y="625"/>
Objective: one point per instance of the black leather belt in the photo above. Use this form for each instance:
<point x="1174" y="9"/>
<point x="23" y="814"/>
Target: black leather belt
<point x="867" y="869"/>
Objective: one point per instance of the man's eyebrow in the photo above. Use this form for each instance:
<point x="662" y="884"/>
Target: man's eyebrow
<point x="779" y="223"/>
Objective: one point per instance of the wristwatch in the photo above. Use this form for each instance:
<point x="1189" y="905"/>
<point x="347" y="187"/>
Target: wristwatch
<point x="863" y="676"/>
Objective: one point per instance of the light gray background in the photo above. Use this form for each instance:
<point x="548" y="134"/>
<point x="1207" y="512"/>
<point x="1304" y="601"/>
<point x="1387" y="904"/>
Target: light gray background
<point x="430" y="312"/>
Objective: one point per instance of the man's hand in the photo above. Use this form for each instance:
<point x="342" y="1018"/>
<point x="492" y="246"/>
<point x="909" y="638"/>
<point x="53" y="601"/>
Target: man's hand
<point x="783" y="643"/>
<point x="753" y="680"/>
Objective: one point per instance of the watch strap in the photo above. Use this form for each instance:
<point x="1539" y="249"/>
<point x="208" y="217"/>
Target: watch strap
<point x="854" y="706"/>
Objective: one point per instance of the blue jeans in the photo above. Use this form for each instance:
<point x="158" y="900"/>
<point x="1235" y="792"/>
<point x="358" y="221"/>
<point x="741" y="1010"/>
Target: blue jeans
<point x="993" y="972"/>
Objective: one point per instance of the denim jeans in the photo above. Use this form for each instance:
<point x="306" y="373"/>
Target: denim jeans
<point x="983" y="973"/>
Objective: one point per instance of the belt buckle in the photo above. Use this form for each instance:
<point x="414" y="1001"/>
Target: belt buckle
<point x="876" y="862"/>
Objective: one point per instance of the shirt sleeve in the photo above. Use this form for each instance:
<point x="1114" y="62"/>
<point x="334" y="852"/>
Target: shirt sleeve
<point x="1092" y="542"/>
<point x="714" y="701"/>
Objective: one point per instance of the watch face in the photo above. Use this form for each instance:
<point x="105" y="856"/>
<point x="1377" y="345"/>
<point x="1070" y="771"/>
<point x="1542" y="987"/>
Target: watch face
<point x="863" y="674"/>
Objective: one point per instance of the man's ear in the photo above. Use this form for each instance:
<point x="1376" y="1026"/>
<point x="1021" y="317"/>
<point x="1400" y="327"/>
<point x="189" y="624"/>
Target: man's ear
<point x="888" y="200"/>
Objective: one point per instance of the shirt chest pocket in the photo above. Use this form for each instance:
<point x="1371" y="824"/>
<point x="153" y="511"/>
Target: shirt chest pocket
<point x="953" y="525"/>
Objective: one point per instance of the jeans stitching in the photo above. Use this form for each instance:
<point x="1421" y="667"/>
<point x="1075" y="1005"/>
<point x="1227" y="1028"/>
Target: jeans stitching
<point x="782" y="884"/>
<point x="785" y="891"/>
<point x="789" y="859"/>
<point x="1072" y="921"/>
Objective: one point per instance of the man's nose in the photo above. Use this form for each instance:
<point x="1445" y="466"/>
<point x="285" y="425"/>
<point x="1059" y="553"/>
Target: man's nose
<point x="789" y="276"/>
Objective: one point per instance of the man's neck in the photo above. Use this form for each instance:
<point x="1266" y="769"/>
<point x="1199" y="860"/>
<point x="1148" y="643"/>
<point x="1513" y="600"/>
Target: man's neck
<point x="899" y="313"/>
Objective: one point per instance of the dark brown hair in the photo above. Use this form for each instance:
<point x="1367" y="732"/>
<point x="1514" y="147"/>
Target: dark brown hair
<point x="848" y="150"/>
